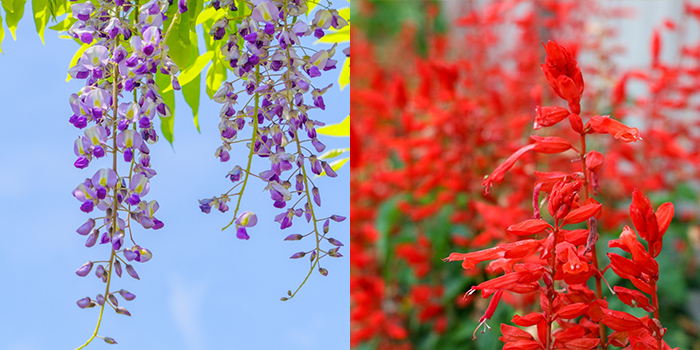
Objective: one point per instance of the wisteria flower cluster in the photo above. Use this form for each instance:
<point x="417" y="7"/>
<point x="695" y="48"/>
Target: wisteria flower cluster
<point x="272" y="67"/>
<point x="116" y="111"/>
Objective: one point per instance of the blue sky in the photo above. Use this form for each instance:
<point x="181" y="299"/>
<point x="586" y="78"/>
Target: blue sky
<point x="203" y="289"/>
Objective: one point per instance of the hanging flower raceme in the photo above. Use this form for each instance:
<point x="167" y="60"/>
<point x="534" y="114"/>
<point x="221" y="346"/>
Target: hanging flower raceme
<point x="265" y="52"/>
<point x="124" y="57"/>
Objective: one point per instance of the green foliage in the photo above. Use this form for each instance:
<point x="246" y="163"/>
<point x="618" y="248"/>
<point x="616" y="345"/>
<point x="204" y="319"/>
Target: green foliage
<point x="191" y="90"/>
<point x="41" y="16"/>
<point x="14" y="10"/>
<point x="167" y="123"/>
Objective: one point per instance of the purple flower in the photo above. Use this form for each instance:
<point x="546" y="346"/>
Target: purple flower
<point x="298" y="255"/>
<point x="130" y="270"/>
<point x="265" y="11"/>
<point x="118" y="269"/>
<point x="247" y="219"/>
<point x="85" y="228"/>
<point x="139" y="184"/>
<point x="316" y="195"/>
<point x="84" y="302"/>
<point x="82" y="11"/>
<point x="123" y="311"/>
<point x="126" y="295"/>
<point x="84" y="270"/>
<point x="241" y="233"/>
<point x="92" y="239"/>
<point x="182" y="6"/>
<point x="105" y="178"/>
<point x="328" y="169"/>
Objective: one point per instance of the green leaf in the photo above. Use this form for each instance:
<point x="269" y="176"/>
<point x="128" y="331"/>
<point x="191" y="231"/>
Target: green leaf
<point x="167" y="123"/>
<point x="2" y="33"/>
<point x="179" y="39"/>
<point x="41" y="16"/>
<point x="209" y="13"/>
<point x="345" y="13"/>
<point x="310" y="6"/>
<point x="193" y="71"/>
<point x="341" y="129"/>
<point x="76" y="57"/>
<point x="344" y="77"/>
<point x="194" y="8"/>
<point x="191" y="90"/>
<point x="14" y="10"/>
<point x="64" y="25"/>
<point x="334" y="153"/>
<point x="215" y="76"/>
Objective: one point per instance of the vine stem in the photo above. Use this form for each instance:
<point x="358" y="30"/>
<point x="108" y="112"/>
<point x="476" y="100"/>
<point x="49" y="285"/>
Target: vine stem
<point x="550" y="289"/>
<point x="115" y="96"/>
<point x="252" y="149"/>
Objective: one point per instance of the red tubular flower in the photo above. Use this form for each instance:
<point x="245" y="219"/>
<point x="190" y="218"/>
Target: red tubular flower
<point x="651" y="227"/>
<point x="606" y="125"/>
<point x="550" y="144"/>
<point x="562" y="196"/>
<point x="621" y="321"/>
<point x="563" y="75"/>
<point x="469" y="260"/>
<point x="493" y="304"/>
<point x="529" y="227"/>
<point x="633" y="298"/>
<point x="582" y="213"/>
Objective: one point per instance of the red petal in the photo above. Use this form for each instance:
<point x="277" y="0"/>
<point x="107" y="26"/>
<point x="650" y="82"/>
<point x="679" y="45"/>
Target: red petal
<point x="582" y="214"/>
<point x="529" y="227"/>
<point x="528" y="320"/>
<point x="572" y="311"/>
<point x="664" y="214"/>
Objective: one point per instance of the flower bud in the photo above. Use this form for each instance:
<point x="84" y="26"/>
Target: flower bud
<point x="84" y="270"/>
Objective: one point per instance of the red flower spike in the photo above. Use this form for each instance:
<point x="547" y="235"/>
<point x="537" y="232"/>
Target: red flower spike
<point x="621" y="321"/>
<point x="493" y="304"/>
<point x="563" y="74"/>
<point x="572" y="311"/>
<point x="633" y="298"/>
<point x="582" y="214"/>
<point x="548" y="116"/>
<point x="529" y="227"/>
<point x="528" y="320"/>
